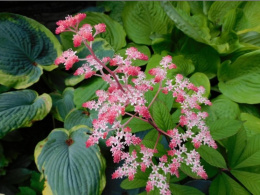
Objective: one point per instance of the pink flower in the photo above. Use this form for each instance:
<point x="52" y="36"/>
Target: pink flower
<point x="68" y="58"/>
<point x="100" y="28"/>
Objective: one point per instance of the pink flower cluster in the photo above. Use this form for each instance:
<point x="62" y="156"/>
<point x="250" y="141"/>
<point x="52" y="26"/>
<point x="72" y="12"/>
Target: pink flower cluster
<point x="127" y="87"/>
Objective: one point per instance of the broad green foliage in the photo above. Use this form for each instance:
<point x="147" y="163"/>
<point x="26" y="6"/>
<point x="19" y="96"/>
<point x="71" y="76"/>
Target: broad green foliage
<point x="22" y="108"/>
<point x="240" y="80"/>
<point x="141" y="19"/>
<point x="27" y="47"/>
<point x="87" y="90"/>
<point x="68" y="166"/>
<point x="216" y="44"/>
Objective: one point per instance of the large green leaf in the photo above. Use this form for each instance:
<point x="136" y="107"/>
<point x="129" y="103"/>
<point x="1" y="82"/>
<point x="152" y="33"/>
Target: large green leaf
<point x="224" y="128"/>
<point x="204" y="57"/>
<point x="68" y="166"/>
<point x="235" y="146"/>
<point x="143" y="18"/>
<point x="219" y="9"/>
<point x="62" y="103"/>
<point x="137" y="125"/>
<point x="250" y="180"/>
<point x="27" y="47"/>
<point x="161" y="115"/>
<point x="251" y="153"/>
<point x="252" y="124"/>
<point x="21" y="109"/>
<point x="195" y="27"/>
<point x="223" y="108"/>
<point x="184" y="66"/>
<point x="240" y="80"/>
<point x="87" y="90"/>
<point x="114" y="35"/>
<point x="184" y="190"/>
<point x="212" y="156"/>
<point x="250" y="19"/>
<point x="225" y="185"/>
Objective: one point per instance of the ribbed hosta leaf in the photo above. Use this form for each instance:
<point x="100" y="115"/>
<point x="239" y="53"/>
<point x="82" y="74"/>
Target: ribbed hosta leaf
<point x="70" y="167"/>
<point x="27" y="47"/>
<point x="21" y="109"/>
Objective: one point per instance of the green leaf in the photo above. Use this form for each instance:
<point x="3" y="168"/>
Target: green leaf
<point x="16" y="176"/>
<point x="212" y="156"/>
<point x="184" y="66"/>
<point x="205" y="58"/>
<point x="224" y="128"/>
<point x="223" y="184"/>
<point x="137" y="125"/>
<point x="195" y="27"/>
<point x="62" y="103"/>
<point x="251" y="38"/>
<point x="87" y="90"/>
<point x="187" y="170"/>
<point x="250" y="180"/>
<point x="251" y="125"/>
<point x="161" y="115"/>
<point x="251" y="153"/>
<point x="200" y="79"/>
<point x="161" y="43"/>
<point x="37" y="183"/>
<point x="240" y="80"/>
<point x="139" y="181"/>
<point x="184" y="190"/>
<point x="219" y="9"/>
<point x="224" y="108"/>
<point x="114" y="35"/>
<point x="22" y="108"/>
<point x="68" y="166"/>
<point x="250" y="19"/>
<point x="250" y="109"/>
<point x="27" y="47"/>
<point x="143" y="18"/>
<point x="79" y="117"/>
<point x="26" y="191"/>
<point x="142" y="48"/>
<point x="235" y="146"/>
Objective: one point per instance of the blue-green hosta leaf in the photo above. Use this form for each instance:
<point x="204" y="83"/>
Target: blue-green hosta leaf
<point x="251" y="124"/>
<point x="114" y="35"/>
<point x="87" y="90"/>
<point x="224" y="128"/>
<point x="27" y="47"/>
<point x="212" y="156"/>
<point x="251" y="154"/>
<point x="183" y="190"/>
<point x="250" y="180"/>
<point x="79" y="117"/>
<point x="143" y="18"/>
<point x="62" y="103"/>
<point x="240" y="80"/>
<point x="223" y="184"/>
<point x="21" y="108"/>
<point x="68" y="166"/>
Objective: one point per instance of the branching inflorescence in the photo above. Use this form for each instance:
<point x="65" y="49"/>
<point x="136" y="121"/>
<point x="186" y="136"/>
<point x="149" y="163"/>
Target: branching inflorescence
<point x="127" y="86"/>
